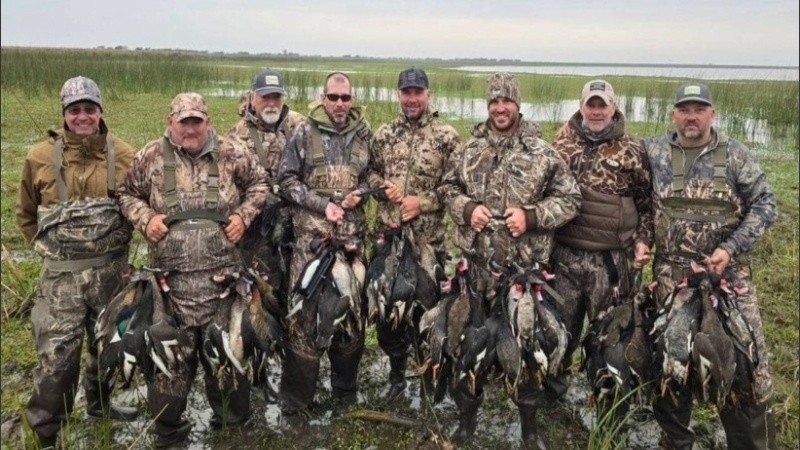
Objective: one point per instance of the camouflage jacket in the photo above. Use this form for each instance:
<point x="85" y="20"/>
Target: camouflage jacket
<point x="298" y="183"/>
<point x="747" y="189"/>
<point x="614" y="165"/>
<point x="501" y="172"/>
<point x="242" y="182"/>
<point x="84" y="169"/>
<point x="413" y="157"/>
<point x="273" y="137"/>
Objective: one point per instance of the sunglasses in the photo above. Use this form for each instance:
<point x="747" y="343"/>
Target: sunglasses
<point x="336" y="97"/>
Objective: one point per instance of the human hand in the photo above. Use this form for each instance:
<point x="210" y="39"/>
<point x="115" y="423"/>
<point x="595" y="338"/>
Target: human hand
<point x="480" y="217"/>
<point x="409" y="207"/>
<point x="392" y="192"/>
<point x="718" y="261"/>
<point x="641" y="255"/>
<point x="334" y="213"/>
<point x="352" y="199"/>
<point x="515" y="221"/>
<point x="234" y="230"/>
<point x="155" y="229"/>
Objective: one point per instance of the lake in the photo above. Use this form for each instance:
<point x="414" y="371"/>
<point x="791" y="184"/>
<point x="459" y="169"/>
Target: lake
<point x="692" y="72"/>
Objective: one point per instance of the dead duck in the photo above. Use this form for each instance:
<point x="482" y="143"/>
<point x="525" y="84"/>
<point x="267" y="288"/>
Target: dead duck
<point x="713" y="354"/>
<point x="429" y="274"/>
<point x="111" y="324"/>
<point x="165" y="343"/>
<point x="473" y="343"/>
<point x="404" y="284"/>
<point x="379" y="273"/>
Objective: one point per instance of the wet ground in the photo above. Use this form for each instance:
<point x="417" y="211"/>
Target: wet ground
<point x="332" y="426"/>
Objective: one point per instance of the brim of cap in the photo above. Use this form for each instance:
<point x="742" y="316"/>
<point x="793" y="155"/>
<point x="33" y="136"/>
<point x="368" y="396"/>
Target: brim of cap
<point x="606" y="98"/>
<point x="270" y="90"/>
<point x="694" y="99"/>
<point x="412" y="85"/>
<point x="189" y="113"/>
<point x="72" y="100"/>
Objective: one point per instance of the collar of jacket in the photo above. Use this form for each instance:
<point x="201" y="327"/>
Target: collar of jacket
<point x="95" y="143"/>
<point x="424" y="120"/>
<point x="716" y="138"/>
<point x="250" y="116"/>
<point x="526" y="130"/>
<point x="618" y="130"/>
<point x="320" y="117"/>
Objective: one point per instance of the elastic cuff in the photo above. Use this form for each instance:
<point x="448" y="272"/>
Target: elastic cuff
<point x="468" y="209"/>
<point x="530" y="220"/>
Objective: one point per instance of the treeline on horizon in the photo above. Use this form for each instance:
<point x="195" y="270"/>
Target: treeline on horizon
<point x="286" y="55"/>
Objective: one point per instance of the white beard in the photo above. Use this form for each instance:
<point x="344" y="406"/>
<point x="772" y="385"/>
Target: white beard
<point x="270" y="115"/>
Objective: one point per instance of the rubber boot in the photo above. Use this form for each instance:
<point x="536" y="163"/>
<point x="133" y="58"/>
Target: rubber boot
<point x="674" y="420"/>
<point x="749" y="427"/>
<point x="467" y="416"/>
<point x="531" y="438"/>
<point x="300" y="370"/>
<point x="345" y="355"/>
<point x="397" y="377"/>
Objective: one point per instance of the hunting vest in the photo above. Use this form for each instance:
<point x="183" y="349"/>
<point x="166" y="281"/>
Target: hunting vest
<point x="692" y="228"/>
<point x="196" y="239"/>
<point x="74" y="235"/>
<point x="604" y="222"/>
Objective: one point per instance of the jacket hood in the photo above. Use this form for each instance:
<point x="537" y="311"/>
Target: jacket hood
<point x="616" y="131"/>
<point x="317" y="114"/>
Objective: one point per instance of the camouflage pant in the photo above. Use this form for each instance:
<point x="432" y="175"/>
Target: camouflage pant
<point x="167" y="398"/>
<point x="668" y="275"/>
<point x="66" y="305"/>
<point x="583" y="280"/>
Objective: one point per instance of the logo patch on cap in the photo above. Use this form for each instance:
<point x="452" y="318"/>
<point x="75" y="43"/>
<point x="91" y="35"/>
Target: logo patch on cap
<point x="271" y="80"/>
<point x="598" y="86"/>
<point x="691" y="90"/>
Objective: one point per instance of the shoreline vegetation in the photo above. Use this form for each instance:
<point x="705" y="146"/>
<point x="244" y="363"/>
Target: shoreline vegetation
<point x="137" y="86"/>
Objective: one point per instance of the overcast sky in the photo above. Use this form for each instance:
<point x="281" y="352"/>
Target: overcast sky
<point x="742" y="32"/>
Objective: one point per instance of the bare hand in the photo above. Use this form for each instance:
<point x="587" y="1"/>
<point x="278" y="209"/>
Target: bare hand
<point x="515" y="221"/>
<point x="718" y="261"/>
<point x="480" y="217"/>
<point x="641" y="255"/>
<point x="334" y="213"/>
<point x="409" y="208"/>
<point x="155" y="229"/>
<point x="234" y="230"/>
<point x="392" y="192"/>
<point x="352" y="199"/>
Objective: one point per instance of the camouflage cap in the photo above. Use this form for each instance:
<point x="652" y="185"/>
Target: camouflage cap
<point x="188" y="104"/>
<point x="693" y="92"/>
<point x="598" y="88"/>
<point x="502" y="84"/>
<point x="80" y="89"/>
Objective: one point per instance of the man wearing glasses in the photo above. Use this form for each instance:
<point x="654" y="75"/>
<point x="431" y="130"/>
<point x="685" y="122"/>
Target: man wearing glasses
<point x="67" y="208"/>
<point x="322" y="174"/>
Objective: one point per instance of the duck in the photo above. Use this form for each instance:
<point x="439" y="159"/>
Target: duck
<point x="380" y="271"/>
<point x="404" y="284"/>
<point x="474" y="343"/>
<point x="713" y="354"/>
<point x="429" y="274"/>
<point x="111" y="324"/>
<point x="165" y="343"/>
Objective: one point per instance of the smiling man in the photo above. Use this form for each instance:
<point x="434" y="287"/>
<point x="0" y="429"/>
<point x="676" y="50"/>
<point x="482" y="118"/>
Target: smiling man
<point x="698" y="172"/>
<point x="407" y="157"/>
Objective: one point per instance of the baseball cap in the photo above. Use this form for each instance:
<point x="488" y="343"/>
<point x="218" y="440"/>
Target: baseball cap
<point x="412" y="77"/>
<point x="268" y="81"/>
<point x="598" y="88"/>
<point x="80" y="89"/>
<point x="502" y="84"/>
<point x="693" y="92"/>
<point x="188" y="104"/>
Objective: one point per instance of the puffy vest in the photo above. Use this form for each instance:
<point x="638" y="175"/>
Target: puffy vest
<point x="604" y="222"/>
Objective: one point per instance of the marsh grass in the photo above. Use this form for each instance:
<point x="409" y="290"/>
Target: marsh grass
<point x="138" y="86"/>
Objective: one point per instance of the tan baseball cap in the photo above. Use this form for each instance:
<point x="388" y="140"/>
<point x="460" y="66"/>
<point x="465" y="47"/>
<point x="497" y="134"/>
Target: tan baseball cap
<point x="188" y="104"/>
<point x="598" y="88"/>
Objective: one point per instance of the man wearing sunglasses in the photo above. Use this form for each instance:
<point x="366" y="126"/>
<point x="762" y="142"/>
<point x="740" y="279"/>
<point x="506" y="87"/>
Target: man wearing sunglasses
<point x="322" y="174"/>
<point x="67" y="207"/>
<point x="407" y="158"/>
<point x="266" y="125"/>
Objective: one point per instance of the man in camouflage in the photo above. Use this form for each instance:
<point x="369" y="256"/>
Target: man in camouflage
<point x="266" y="125"/>
<point x="505" y="169"/>
<point x="192" y="194"/>
<point x="694" y="162"/>
<point x="67" y="207"/>
<point x="322" y="174"/>
<point x="407" y="157"/>
<point x="612" y="233"/>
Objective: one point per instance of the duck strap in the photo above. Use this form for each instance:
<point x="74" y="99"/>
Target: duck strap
<point x="111" y="164"/>
<point x="170" y="192"/>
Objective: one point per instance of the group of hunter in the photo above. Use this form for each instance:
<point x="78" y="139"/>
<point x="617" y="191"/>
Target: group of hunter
<point x="571" y="223"/>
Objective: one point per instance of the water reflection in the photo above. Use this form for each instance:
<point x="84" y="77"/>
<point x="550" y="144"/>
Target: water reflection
<point x="635" y="109"/>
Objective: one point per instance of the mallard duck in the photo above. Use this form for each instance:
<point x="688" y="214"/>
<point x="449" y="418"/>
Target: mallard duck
<point x="379" y="273"/>
<point x="404" y="284"/>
